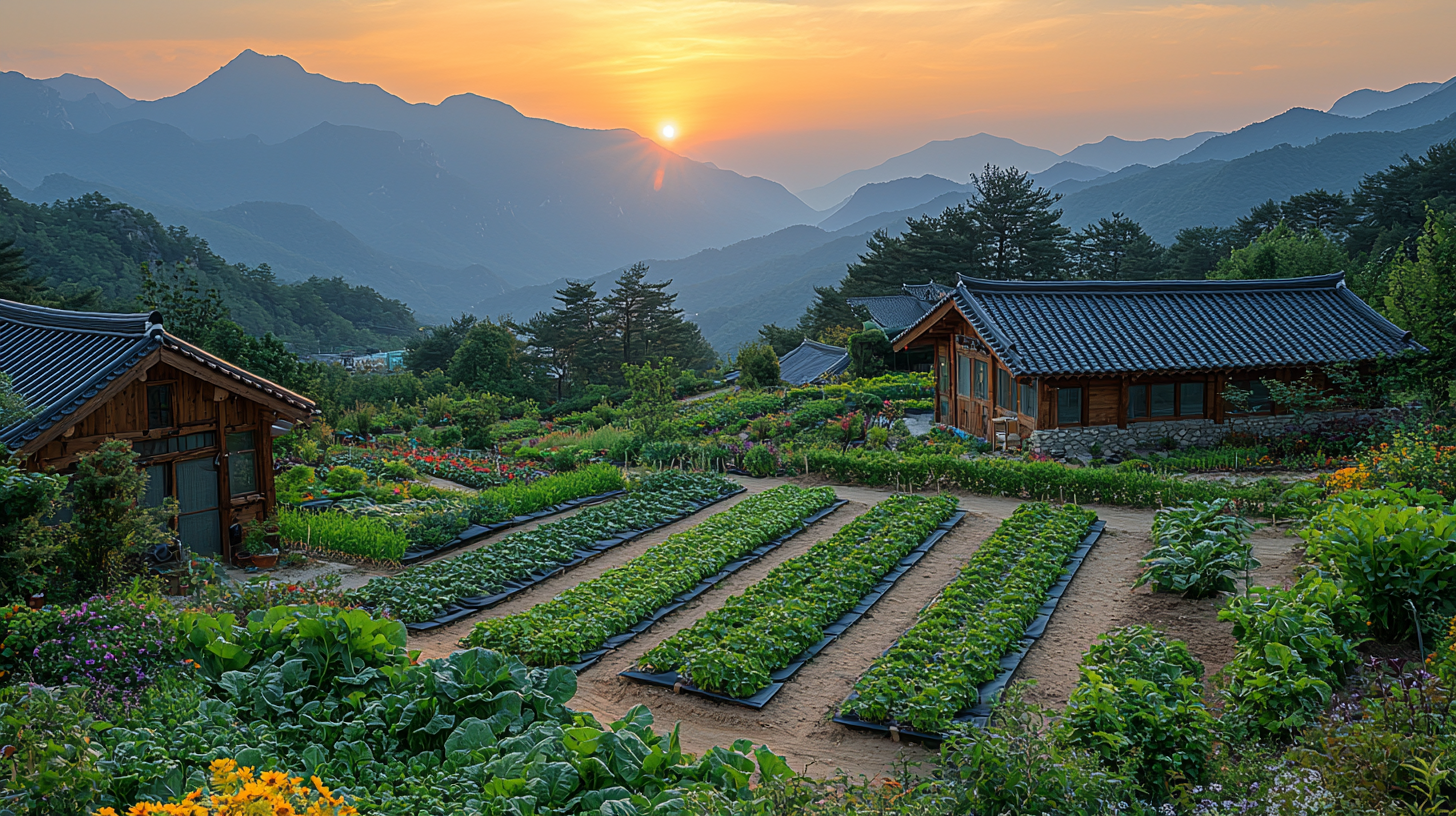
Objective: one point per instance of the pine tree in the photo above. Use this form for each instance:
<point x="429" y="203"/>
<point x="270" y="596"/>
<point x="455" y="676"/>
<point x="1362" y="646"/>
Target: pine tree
<point x="1117" y="248"/>
<point x="1021" y="233"/>
<point x="1196" y="251"/>
<point x="569" y="340"/>
<point x="1261" y="219"/>
<point x="1330" y="213"/>
<point x="16" y="282"/>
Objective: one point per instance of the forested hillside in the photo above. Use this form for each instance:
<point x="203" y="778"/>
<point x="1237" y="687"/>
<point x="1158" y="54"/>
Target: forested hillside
<point x="91" y="251"/>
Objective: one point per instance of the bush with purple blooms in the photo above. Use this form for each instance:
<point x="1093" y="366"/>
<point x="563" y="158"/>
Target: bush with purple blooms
<point x="113" y="644"/>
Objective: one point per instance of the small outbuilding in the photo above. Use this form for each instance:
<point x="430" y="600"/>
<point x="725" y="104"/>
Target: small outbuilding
<point x="202" y="427"/>
<point x="813" y="363"/>
<point x="1122" y="364"/>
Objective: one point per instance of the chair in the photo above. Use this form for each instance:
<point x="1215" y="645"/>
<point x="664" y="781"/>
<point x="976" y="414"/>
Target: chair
<point x="1004" y="436"/>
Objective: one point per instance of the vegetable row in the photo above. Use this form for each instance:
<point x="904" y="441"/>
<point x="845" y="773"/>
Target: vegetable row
<point x="734" y="649"/>
<point x="384" y="532"/>
<point x="421" y="592"/>
<point x="585" y="616"/>
<point x="934" y="669"/>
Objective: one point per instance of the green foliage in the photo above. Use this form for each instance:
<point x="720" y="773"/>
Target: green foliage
<point x="343" y="532"/>
<point x="1200" y="550"/>
<point x="651" y="409"/>
<point x="346" y="478"/>
<point x="734" y="649"/>
<point x="1289" y="660"/>
<point x="1139" y="707"/>
<point x="1116" y="248"/>
<point x="421" y="592"/>
<point x="582" y="618"/>
<point x="1283" y="253"/>
<point x="868" y="352"/>
<point x="1390" y="547"/>
<point x="1421" y="297"/>
<point x="28" y="546"/>
<point x="294" y="483"/>
<point x="490" y="358"/>
<point x="934" y="670"/>
<point x="331" y="642"/>
<point x="56" y="767"/>
<point x="111" y="526"/>
<point x="13" y="407"/>
<point x="758" y="366"/>
<point x="1036" y="481"/>
<point x="760" y="461"/>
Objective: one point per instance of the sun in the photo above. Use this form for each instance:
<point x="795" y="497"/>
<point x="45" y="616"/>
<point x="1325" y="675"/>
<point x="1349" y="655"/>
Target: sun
<point x="668" y="131"/>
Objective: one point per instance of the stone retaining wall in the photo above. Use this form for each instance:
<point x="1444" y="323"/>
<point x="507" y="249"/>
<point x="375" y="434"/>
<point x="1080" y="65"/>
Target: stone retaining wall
<point x="1185" y="432"/>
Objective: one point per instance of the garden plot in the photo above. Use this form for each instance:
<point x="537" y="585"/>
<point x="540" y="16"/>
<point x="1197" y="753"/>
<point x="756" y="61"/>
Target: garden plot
<point x="968" y="642"/>
<point x="585" y="622"/>
<point x="440" y="592"/>
<point x="744" y="652"/>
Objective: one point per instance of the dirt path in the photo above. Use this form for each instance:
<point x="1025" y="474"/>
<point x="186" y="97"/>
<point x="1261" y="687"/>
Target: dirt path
<point x="1101" y="598"/>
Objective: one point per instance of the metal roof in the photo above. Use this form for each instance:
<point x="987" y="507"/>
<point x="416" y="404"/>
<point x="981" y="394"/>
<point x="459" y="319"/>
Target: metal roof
<point x="59" y="360"/>
<point x="1096" y="327"/>
<point x="812" y="362"/>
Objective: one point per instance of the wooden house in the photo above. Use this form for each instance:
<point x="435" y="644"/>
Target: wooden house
<point x="202" y="427"/>
<point x="1123" y="364"/>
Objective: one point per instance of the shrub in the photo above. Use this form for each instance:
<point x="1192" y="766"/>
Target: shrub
<point x="112" y="527"/>
<point x="53" y="763"/>
<point x="1390" y="546"/>
<point x="1415" y="459"/>
<point x="449" y="436"/>
<point x="662" y="454"/>
<point x="1139" y="706"/>
<point x="423" y="434"/>
<point x="527" y="452"/>
<point x="1288" y="661"/>
<point x="758" y="366"/>
<point x="294" y="483"/>
<point x="1443" y="658"/>
<point x="563" y="460"/>
<point x="399" y="470"/>
<point x="345" y="478"/>
<point x="760" y="461"/>
<point x="1199" y="550"/>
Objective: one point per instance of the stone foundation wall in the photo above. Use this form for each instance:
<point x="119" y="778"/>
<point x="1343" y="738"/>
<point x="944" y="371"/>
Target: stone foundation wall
<point x="1185" y="432"/>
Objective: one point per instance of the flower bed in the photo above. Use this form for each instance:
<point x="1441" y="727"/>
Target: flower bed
<point x="733" y="650"/>
<point x="933" y="671"/>
<point x="479" y="472"/>
<point x="584" y="617"/>
<point x="422" y="592"/>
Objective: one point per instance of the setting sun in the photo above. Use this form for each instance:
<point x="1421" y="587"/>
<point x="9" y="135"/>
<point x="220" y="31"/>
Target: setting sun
<point x="669" y="131"/>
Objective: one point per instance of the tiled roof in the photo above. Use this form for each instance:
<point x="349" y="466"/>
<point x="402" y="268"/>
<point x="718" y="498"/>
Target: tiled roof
<point x="811" y="362"/>
<point x="58" y="360"/>
<point x="893" y="312"/>
<point x="1097" y="327"/>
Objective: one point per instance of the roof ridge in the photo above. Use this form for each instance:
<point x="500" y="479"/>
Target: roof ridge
<point x="1308" y="283"/>
<point x="124" y="324"/>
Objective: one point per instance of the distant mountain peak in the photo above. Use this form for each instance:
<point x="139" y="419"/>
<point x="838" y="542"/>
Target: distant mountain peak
<point x="252" y="60"/>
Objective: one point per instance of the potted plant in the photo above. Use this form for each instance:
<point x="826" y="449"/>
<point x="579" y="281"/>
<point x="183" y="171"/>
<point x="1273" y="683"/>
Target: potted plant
<point x="256" y="547"/>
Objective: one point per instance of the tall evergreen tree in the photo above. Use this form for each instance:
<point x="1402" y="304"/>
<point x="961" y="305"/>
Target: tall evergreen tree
<point x="1261" y="219"/>
<point x="1196" y="251"/>
<point x="1392" y="204"/>
<point x="570" y="339"/>
<point x="1117" y="248"/>
<point x="1022" y="236"/>
<point x="16" y="281"/>
<point x="627" y="304"/>
<point x="1330" y="213"/>
<point x="434" y="348"/>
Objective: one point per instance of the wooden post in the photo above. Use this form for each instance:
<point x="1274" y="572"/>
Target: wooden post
<point x="1122" y="402"/>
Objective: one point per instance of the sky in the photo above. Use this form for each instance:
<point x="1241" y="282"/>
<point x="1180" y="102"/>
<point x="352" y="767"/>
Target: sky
<point x="795" y="90"/>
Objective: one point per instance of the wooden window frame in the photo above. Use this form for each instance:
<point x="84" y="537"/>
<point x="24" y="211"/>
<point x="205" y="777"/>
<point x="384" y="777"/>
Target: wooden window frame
<point x="1082" y="397"/>
<point x="171" y="385"/>
<point x="1177" y="415"/>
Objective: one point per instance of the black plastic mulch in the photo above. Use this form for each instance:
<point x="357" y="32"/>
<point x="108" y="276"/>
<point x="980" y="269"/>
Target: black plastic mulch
<point x="475" y="532"/>
<point x="465" y="607"/>
<point x="979" y="714"/>
<point x="678" y="682"/>
<point x="588" y="659"/>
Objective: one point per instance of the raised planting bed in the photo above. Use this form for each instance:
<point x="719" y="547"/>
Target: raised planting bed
<point x="439" y="592"/>
<point x="411" y="531"/>
<point x="583" y="623"/>
<point x="967" y="643"/>
<point x="745" y="651"/>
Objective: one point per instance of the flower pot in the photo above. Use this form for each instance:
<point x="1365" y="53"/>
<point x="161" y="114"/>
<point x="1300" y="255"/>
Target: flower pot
<point x="242" y="559"/>
<point x="265" y="560"/>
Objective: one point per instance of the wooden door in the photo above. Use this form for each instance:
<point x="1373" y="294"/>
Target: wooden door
<point x="199" y="523"/>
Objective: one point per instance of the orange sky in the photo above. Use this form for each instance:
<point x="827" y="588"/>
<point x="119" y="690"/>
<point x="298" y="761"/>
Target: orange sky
<point x="890" y="73"/>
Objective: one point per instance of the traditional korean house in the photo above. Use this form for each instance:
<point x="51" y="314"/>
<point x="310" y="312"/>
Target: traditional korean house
<point x="203" y="427"/>
<point x="1122" y="364"/>
<point x="812" y="363"/>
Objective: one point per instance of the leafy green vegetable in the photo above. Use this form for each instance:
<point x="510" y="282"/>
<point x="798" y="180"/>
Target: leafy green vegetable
<point x="733" y="650"/>
<point x="585" y="616"/>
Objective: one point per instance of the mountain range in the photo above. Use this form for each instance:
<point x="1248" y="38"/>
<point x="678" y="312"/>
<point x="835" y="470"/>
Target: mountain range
<point x="470" y="205"/>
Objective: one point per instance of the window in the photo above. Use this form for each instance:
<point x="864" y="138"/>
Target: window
<point x="159" y="406"/>
<point x="943" y="384"/>
<point x="175" y="444"/>
<point x="1005" y="390"/>
<point x="1028" y="397"/>
<point x="1190" y="399"/>
<point x="983" y="380"/>
<point x="1137" y="402"/>
<point x="1163" y="396"/>
<point x="1259" y="401"/>
<point x="242" y="463"/>
<point x="159" y="485"/>
<point x="963" y="376"/>
<point x="1069" y="406"/>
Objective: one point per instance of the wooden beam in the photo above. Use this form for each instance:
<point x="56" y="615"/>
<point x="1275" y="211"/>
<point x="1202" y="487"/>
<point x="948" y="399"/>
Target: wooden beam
<point x="220" y="394"/>
<point x="202" y="372"/>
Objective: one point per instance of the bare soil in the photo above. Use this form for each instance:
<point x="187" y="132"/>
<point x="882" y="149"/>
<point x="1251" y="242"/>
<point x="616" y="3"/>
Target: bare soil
<point x="797" y="722"/>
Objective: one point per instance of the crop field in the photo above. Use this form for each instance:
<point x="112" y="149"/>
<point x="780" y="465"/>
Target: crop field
<point x="797" y="722"/>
